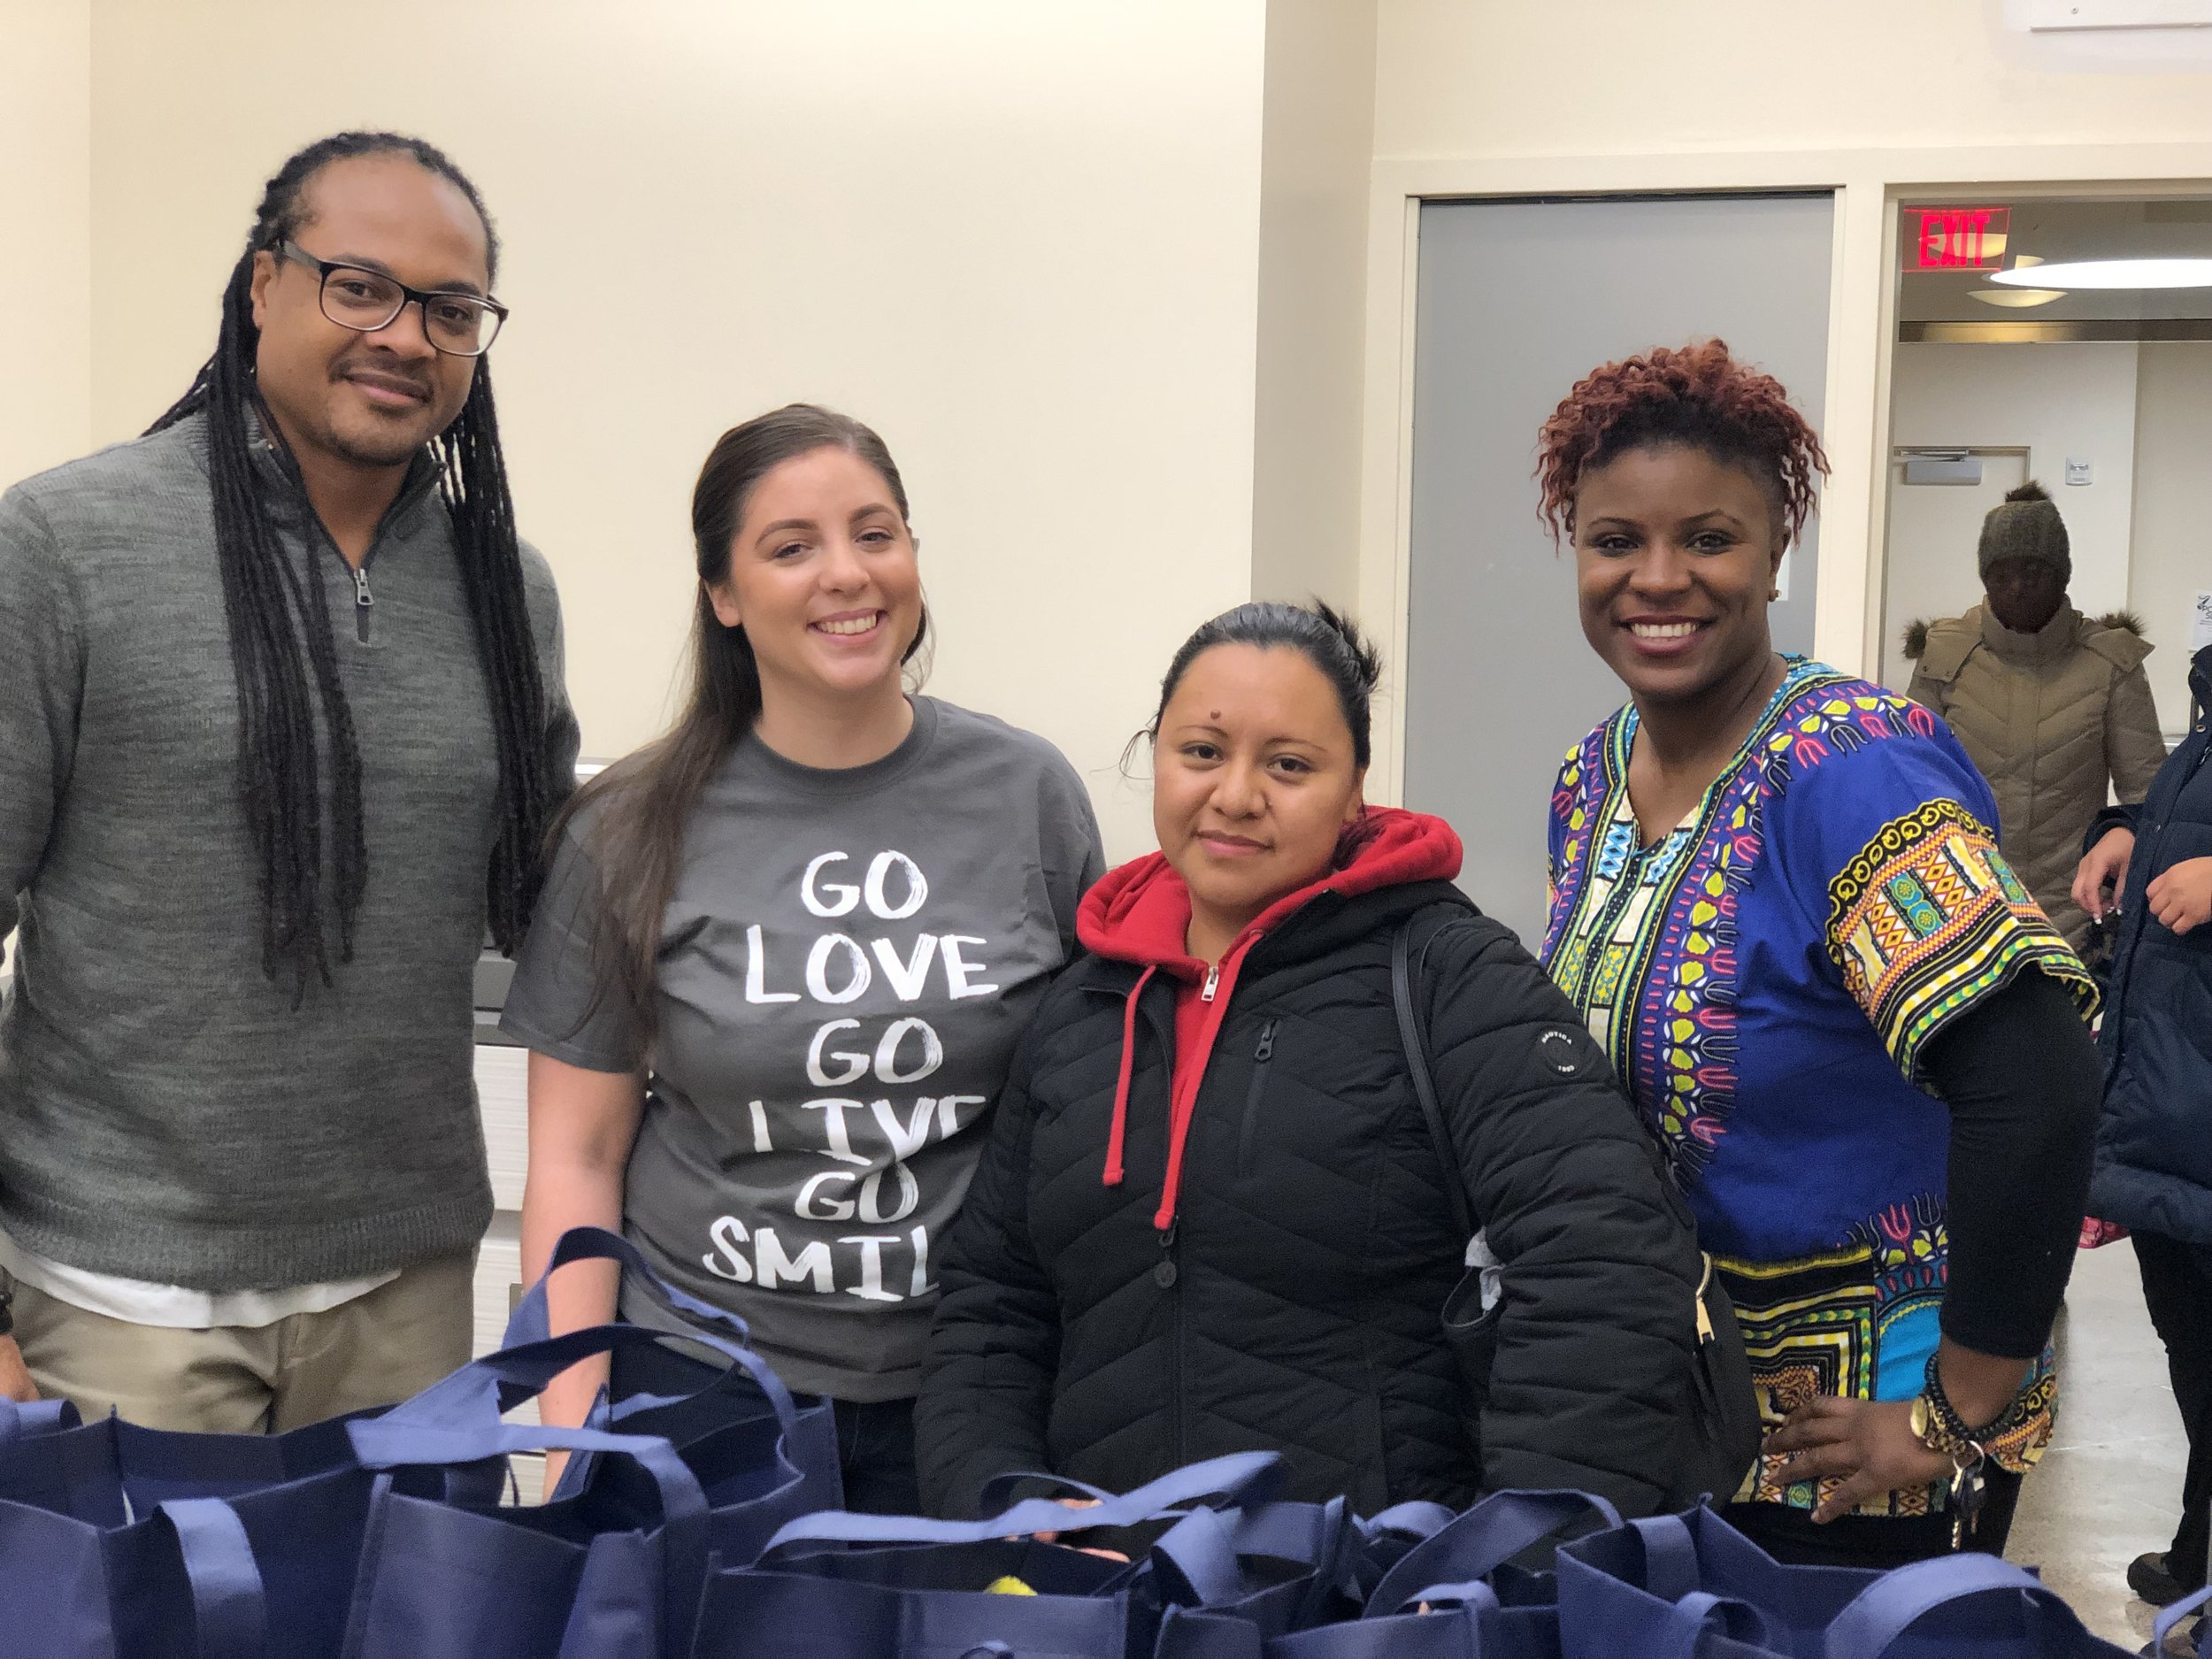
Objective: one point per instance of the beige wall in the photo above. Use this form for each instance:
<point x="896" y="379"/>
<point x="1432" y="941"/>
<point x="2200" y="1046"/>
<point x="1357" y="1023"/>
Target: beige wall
<point x="1317" y="135"/>
<point x="1123" y="281"/>
<point x="45" y="231"/>
<point x="1627" y="77"/>
<point x="1019" y="239"/>
<point x="2173" y="511"/>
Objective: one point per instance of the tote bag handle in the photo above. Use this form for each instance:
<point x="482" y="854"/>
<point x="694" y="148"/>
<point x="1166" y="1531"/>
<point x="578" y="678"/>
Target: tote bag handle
<point x="530" y="1322"/>
<point x="1886" y="1609"/>
<point x="229" y="1619"/>
<point x="1236" y="1476"/>
<point x="1483" y="1540"/>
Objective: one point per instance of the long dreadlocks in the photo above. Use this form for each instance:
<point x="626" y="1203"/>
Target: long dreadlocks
<point x="279" y="623"/>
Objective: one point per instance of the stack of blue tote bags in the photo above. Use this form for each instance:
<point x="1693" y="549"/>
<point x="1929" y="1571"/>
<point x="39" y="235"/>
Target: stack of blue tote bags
<point x="697" y="1518"/>
<point x="385" y="1536"/>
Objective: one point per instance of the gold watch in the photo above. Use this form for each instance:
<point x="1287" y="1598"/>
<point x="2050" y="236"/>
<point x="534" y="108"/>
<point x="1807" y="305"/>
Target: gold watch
<point x="1925" y="1427"/>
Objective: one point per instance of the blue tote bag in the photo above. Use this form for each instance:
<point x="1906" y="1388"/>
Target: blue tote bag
<point x="762" y="1458"/>
<point x="612" y="1568"/>
<point x="38" y="1417"/>
<point x="1278" y="1567"/>
<point x="302" y="1499"/>
<point x="1693" y="1586"/>
<point x="1476" y="1601"/>
<point x="869" y="1587"/>
<point x="178" y="1584"/>
<point x="2170" y="1616"/>
<point x="1273" y="1569"/>
<point x="613" y="1573"/>
<point x="1693" y="1578"/>
<point x="1962" y="1607"/>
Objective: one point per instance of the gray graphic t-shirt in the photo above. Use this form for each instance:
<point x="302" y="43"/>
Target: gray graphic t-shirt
<point x="846" y="961"/>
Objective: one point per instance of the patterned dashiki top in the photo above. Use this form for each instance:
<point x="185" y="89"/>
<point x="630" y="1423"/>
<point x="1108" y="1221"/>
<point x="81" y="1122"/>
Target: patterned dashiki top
<point x="1766" y="976"/>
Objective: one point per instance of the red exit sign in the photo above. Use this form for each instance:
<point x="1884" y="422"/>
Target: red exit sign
<point x="1956" y="238"/>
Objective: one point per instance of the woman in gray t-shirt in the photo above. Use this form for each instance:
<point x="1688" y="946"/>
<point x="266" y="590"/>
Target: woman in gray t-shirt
<point x="784" y="953"/>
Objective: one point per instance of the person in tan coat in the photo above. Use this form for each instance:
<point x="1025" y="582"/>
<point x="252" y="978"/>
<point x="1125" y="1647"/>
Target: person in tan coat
<point x="2052" y="705"/>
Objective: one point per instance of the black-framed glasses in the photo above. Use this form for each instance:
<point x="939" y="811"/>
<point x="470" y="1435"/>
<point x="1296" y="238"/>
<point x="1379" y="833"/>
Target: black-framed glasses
<point x="355" y="297"/>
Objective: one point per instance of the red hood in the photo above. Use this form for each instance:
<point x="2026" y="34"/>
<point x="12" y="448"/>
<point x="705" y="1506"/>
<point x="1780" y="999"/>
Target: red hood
<point x="1140" y="912"/>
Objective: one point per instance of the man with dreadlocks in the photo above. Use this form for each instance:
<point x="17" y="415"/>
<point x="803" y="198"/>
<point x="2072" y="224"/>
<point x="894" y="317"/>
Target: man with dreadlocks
<point x="280" y="731"/>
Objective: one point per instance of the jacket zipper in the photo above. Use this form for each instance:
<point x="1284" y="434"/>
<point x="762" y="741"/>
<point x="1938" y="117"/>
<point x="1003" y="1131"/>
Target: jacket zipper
<point x="363" y="600"/>
<point x="1213" y="983"/>
<point x="1166" y="1275"/>
<point x="1261" y="1056"/>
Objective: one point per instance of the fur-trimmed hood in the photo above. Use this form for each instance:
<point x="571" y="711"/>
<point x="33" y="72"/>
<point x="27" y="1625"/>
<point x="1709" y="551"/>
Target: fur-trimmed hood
<point x="1916" y="635"/>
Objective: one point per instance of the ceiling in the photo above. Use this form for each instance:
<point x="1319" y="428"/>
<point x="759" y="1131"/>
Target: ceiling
<point x="2052" y="229"/>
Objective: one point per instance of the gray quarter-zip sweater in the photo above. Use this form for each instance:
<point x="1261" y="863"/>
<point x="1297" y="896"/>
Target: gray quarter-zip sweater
<point x="166" y="1113"/>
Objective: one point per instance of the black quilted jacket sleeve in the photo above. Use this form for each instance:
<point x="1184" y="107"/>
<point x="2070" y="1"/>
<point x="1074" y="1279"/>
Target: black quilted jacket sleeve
<point x="1591" y="1384"/>
<point x="995" y="1344"/>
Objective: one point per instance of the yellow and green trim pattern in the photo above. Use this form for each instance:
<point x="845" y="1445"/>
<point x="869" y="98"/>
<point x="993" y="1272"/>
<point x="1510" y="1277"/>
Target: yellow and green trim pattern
<point x="1928" y="919"/>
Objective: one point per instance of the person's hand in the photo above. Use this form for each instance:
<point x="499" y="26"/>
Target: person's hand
<point x="1867" y="1444"/>
<point x="15" y="1378"/>
<point x="2182" y="896"/>
<point x="1082" y="1503"/>
<point x="2103" y="866"/>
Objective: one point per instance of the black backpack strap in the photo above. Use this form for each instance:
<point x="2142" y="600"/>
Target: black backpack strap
<point x="1417" y="1064"/>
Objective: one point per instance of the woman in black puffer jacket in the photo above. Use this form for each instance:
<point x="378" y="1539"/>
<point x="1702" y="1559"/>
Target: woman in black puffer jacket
<point x="2155" y="1144"/>
<point x="1212" y="1217"/>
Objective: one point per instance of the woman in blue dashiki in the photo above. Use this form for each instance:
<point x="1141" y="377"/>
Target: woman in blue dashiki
<point x="1777" y="899"/>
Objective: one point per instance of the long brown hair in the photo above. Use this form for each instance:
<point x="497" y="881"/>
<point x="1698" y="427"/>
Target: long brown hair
<point x="642" y="805"/>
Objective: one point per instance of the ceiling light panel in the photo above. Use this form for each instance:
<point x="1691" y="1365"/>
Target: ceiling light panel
<point x="2110" y="274"/>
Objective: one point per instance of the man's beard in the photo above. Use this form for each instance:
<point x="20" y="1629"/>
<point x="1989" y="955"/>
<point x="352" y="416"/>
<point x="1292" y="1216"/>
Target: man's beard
<point x="375" y="448"/>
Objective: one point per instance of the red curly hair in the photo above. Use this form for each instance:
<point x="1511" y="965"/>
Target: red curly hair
<point x="1695" y="396"/>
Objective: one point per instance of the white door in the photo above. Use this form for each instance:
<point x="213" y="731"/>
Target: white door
<point x="1518" y="301"/>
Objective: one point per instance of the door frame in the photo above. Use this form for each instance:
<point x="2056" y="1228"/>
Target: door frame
<point x="1869" y="186"/>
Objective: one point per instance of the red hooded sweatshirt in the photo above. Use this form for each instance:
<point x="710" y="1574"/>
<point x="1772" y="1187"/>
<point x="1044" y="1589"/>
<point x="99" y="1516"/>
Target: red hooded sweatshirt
<point x="1140" y="913"/>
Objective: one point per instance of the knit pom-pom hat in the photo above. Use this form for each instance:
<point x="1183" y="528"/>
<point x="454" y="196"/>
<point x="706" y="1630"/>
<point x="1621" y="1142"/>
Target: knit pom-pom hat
<point x="2026" y="525"/>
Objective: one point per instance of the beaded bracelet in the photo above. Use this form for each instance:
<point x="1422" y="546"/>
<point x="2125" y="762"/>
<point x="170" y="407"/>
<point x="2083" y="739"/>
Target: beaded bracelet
<point x="1942" y="1428"/>
<point x="2011" y="1441"/>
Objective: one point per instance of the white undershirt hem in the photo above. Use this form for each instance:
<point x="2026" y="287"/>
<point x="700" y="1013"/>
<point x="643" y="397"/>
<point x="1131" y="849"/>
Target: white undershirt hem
<point x="176" y="1307"/>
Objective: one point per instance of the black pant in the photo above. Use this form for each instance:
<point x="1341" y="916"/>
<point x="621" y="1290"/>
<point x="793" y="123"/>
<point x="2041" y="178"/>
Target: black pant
<point x="1793" y="1537"/>
<point x="875" y="1453"/>
<point x="2177" y="1287"/>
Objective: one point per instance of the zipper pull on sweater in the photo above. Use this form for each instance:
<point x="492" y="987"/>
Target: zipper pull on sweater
<point x="1213" y="983"/>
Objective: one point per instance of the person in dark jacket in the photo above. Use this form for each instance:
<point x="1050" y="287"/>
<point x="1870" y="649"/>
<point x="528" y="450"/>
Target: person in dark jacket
<point x="1212" y="1217"/>
<point x="2154" y="1170"/>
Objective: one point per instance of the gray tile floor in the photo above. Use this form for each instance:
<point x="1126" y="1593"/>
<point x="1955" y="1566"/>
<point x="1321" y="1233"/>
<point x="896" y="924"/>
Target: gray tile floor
<point x="2109" y="1487"/>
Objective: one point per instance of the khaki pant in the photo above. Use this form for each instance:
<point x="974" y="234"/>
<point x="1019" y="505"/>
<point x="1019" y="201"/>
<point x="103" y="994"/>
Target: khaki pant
<point x="241" y="1379"/>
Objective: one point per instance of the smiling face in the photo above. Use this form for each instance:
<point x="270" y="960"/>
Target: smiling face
<point x="2025" y="593"/>
<point x="1675" y="556"/>
<point x="823" y="579"/>
<point x="1254" y="780"/>
<point x="367" y="401"/>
